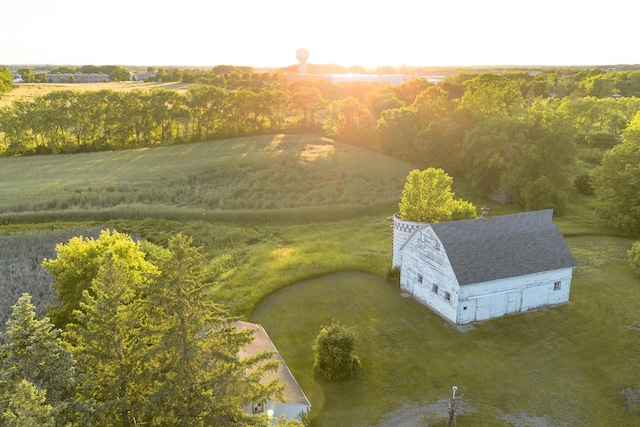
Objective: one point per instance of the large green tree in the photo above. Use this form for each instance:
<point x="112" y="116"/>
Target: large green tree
<point x="27" y="407"/>
<point x="110" y="344"/>
<point x="529" y="155"/>
<point x="77" y="264"/>
<point x="427" y="197"/>
<point x="350" y="121"/>
<point x="33" y="351"/>
<point x="617" y="182"/>
<point x="6" y="80"/>
<point x="489" y="95"/>
<point x="199" y="378"/>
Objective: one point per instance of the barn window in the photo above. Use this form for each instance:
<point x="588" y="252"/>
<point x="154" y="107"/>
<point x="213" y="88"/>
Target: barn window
<point x="419" y="278"/>
<point x="434" y="288"/>
<point x="556" y="286"/>
<point x="447" y="296"/>
<point x="258" y="407"/>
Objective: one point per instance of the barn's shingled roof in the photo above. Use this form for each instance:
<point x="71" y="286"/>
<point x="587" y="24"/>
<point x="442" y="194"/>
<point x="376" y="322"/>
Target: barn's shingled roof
<point x="504" y="246"/>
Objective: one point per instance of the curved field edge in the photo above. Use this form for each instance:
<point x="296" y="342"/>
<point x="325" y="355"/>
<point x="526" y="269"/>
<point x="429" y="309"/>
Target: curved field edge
<point x="247" y="178"/>
<point x="573" y="364"/>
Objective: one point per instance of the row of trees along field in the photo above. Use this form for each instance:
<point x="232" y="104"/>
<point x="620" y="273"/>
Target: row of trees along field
<point x="526" y="134"/>
<point x="141" y="344"/>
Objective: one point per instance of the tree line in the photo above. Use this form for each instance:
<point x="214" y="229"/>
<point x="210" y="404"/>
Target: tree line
<point x="531" y="137"/>
<point x="135" y="340"/>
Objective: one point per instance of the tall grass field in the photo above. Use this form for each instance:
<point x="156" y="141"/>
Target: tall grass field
<point x="297" y="234"/>
<point x="253" y="178"/>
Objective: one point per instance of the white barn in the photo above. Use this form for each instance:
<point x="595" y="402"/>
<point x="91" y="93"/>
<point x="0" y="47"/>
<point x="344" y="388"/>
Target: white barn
<point x="483" y="268"/>
<point x="294" y="402"/>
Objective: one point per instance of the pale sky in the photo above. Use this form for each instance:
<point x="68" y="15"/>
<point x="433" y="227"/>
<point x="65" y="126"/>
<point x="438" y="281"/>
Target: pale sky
<point x="346" y="32"/>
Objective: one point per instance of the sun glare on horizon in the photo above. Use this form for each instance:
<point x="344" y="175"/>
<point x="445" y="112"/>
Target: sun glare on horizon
<point x="267" y="34"/>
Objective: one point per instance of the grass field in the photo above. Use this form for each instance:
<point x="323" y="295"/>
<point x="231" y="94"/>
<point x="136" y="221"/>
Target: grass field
<point x="575" y="364"/>
<point x="310" y="242"/>
<point x="28" y="91"/>
<point x="256" y="177"/>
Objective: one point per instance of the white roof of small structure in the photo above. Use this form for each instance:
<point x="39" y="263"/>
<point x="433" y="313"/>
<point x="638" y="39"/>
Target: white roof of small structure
<point x="261" y="342"/>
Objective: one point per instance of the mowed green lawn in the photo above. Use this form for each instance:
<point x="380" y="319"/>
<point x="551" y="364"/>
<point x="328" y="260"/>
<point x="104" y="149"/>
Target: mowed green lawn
<point x="259" y="175"/>
<point x="576" y="364"/>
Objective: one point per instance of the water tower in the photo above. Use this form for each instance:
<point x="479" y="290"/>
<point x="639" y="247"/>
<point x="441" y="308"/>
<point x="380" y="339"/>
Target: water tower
<point x="302" y="55"/>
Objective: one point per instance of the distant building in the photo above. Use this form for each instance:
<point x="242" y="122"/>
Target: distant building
<point x="77" y="78"/>
<point x="141" y="77"/>
<point x="479" y="269"/>
<point x="394" y="79"/>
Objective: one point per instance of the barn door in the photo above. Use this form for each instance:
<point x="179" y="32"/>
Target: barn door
<point x="514" y="302"/>
<point x="483" y="308"/>
<point x="468" y="311"/>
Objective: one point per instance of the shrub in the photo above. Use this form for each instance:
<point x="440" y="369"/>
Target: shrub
<point x="393" y="275"/>
<point x="334" y="352"/>
<point x="583" y="184"/>
<point x="602" y="140"/>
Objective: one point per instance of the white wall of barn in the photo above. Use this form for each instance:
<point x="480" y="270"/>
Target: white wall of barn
<point x="425" y="264"/>
<point x="291" y="410"/>
<point x="482" y="301"/>
<point x="427" y="274"/>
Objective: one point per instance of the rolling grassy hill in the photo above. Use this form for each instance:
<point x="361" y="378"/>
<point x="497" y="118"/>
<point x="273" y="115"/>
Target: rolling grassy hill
<point x="272" y="211"/>
<point x="253" y="177"/>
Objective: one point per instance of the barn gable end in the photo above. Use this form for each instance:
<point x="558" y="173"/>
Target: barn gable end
<point x="482" y="268"/>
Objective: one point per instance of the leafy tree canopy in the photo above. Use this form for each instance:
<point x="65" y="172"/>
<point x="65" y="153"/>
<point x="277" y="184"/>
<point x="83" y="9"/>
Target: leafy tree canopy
<point x="617" y="182"/>
<point x="427" y="197"/>
<point x="77" y="265"/>
<point x="491" y="94"/>
<point x="6" y="80"/>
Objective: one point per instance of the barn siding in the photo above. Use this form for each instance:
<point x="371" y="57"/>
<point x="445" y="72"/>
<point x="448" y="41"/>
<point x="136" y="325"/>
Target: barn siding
<point x="402" y="231"/>
<point x="290" y="410"/>
<point x="499" y="297"/>
<point x="424" y="255"/>
<point x="423" y="262"/>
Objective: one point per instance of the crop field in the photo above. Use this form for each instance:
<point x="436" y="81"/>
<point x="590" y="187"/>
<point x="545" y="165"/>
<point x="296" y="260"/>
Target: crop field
<point x="297" y="234"/>
<point x="28" y="91"/>
<point x="251" y="177"/>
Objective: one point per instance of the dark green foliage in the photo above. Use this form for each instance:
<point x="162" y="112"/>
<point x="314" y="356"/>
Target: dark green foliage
<point x="583" y="184"/>
<point x="617" y="182"/>
<point x="529" y="155"/>
<point x="334" y="352"/>
<point x="602" y="140"/>
<point x="633" y="256"/>
<point x="393" y="275"/>
<point x="199" y="378"/>
<point x="154" y="348"/>
<point x="32" y="351"/>
<point x="6" y="80"/>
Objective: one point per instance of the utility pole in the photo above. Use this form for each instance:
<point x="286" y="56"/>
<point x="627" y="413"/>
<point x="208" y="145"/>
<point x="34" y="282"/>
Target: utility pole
<point x="451" y="421"/>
